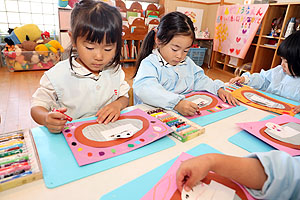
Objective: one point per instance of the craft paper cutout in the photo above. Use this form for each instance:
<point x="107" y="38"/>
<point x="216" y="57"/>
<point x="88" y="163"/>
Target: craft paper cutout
<point x="213" y="191"/>
<point x="166" y="188"/>
<point x="91" y="142"/>
<point x="258" y="100"/>
<point x="236" y="26"/>
<point x="286" y="138"/>
<point x="207" y="102"/>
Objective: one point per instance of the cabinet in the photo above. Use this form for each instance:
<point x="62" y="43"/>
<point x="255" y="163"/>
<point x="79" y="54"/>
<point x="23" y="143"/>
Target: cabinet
<point x="262" y="53"/>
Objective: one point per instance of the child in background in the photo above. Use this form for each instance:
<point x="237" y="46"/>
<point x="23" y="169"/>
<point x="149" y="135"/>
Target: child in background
<point x="164" y="74"/>
<point x="270" y="175"/>
<point x="283" y="80"/>
<point x="92" y="82"/>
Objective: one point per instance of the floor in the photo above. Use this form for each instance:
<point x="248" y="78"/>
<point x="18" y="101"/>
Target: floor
<point x="16" y="89"/>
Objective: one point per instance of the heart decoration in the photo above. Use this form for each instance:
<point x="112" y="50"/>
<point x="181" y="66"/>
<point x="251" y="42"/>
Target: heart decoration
<point x="238" y="39"/>
<point x="237" y="51"/>
<point x="244" y="31"/>
<point x="231" y="50"/>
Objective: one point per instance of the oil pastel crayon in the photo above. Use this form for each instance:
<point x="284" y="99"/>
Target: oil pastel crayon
<point x="14" y="160"/>
<point x="68" y="117"/>
<point x="11" y="143"/>
<point x="14" y="168"/>
<point x="15" y="176"/>
<point x="13" y="146"/>
<point x="10" y="153"/>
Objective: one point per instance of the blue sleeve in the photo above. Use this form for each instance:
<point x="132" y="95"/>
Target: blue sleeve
<point x="260" y="80"/>
<point x="147" y="88"/>
<point x="203" y="82"/>
<point x="283" y="172"/>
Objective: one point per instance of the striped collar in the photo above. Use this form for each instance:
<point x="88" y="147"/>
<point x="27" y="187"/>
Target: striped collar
<point x="163" y="62"/>
<point x="80" y="71"/>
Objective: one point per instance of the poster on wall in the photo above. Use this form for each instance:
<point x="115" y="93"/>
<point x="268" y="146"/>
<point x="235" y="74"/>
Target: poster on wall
<point x="195" y="15"/>
<point x="236" y="26"/>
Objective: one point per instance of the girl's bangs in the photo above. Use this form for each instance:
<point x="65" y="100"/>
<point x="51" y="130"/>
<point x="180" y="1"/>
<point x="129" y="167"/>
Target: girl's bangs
<point x="96" y="34"/>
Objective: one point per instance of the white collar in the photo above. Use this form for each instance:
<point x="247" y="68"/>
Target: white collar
<point x="79" y="70"/>
<point x="163" y="62"/>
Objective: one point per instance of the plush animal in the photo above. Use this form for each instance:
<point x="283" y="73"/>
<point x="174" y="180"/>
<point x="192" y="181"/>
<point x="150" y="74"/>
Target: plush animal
<point x="27" y="46"/>
<point x="53" y="46"/>
<point x="29" y="32"/>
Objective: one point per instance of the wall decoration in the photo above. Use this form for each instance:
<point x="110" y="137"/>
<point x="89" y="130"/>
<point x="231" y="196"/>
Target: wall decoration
<point x="236" y="26"/>
<point x="195" y="15"/>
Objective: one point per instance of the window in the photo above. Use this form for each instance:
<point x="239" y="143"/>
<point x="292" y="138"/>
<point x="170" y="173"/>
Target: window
<point x="15" y="13"/>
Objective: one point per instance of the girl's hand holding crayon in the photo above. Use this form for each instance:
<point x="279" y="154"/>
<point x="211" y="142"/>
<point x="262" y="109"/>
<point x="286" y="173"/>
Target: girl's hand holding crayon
<point x="56" y="120"/>
<point x="186" y="108"/>
<point x="226" y="96"/>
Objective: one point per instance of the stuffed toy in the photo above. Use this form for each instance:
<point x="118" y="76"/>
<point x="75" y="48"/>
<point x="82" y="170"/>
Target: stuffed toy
<point x="53" y="46"/>
<point x="27" y="46"/>
<point x="29" y="32"/>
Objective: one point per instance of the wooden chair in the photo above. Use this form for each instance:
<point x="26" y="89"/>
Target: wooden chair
<point x="120" y="4"/>
<point x="151" y="7"/>
<point x="136" y="6"/>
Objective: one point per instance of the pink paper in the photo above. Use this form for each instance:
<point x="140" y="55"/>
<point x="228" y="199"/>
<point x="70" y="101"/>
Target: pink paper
<point x="255" y="127"/>
<point x="85" y="152"/>
<point x="166" y="187"/>
<point x="236" y="26"/>
<point x="216" y="104"/>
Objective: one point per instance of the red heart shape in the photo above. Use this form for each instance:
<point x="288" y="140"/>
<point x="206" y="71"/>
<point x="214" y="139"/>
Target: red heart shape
<point x="238" y="39"/>
<point x="237" y="51"/>
<point x="231" y="50"/>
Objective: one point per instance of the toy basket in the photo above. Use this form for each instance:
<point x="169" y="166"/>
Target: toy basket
<point x="197" y="55"/>
<point x="30" y="60"/>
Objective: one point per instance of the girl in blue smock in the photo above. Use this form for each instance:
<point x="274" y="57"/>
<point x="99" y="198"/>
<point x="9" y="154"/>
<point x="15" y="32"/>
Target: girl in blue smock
<point x="283" y="80"/>
<point x="164" y="72"/>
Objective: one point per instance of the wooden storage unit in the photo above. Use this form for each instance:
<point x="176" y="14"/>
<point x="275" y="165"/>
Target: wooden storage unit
<point x="262" y="54"/>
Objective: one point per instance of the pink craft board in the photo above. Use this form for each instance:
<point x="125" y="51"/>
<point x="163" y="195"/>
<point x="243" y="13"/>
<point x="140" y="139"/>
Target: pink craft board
<point x="254" y="128"/>
<point x="86" y="153"/>
<point x="166" y="187"/>
<point x="216" y="105"/>
<point x="236" y="26"/>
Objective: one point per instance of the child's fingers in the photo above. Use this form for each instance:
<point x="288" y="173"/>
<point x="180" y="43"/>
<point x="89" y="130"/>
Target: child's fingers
<point x="109" y="118"/>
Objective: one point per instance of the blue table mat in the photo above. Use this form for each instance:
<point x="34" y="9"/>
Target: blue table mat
<point x="60" y="167"/>
<point x="217" y="116"/>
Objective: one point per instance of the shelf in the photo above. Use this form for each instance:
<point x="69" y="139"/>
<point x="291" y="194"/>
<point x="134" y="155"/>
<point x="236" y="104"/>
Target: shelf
<point x="270" y="37"/>
<point x="220" y="62"/>
<point x="269" y="47"/>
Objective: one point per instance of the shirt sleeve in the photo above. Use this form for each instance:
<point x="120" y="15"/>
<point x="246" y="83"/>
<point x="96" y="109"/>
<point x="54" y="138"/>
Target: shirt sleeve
<point x="45" y="96"/>
<point x="124" y="86"/>
<point x="260" y="80"/>
<point x="283" y="172"/>
<point x="203" y="82"/>
<point x="147" y="88"/>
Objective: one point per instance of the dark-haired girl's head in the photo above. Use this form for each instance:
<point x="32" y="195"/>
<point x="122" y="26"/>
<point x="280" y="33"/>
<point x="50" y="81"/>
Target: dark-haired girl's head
<point x="289" y="51"/>
<point x="96" y="32"/>
<point x="174" y="36"/>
